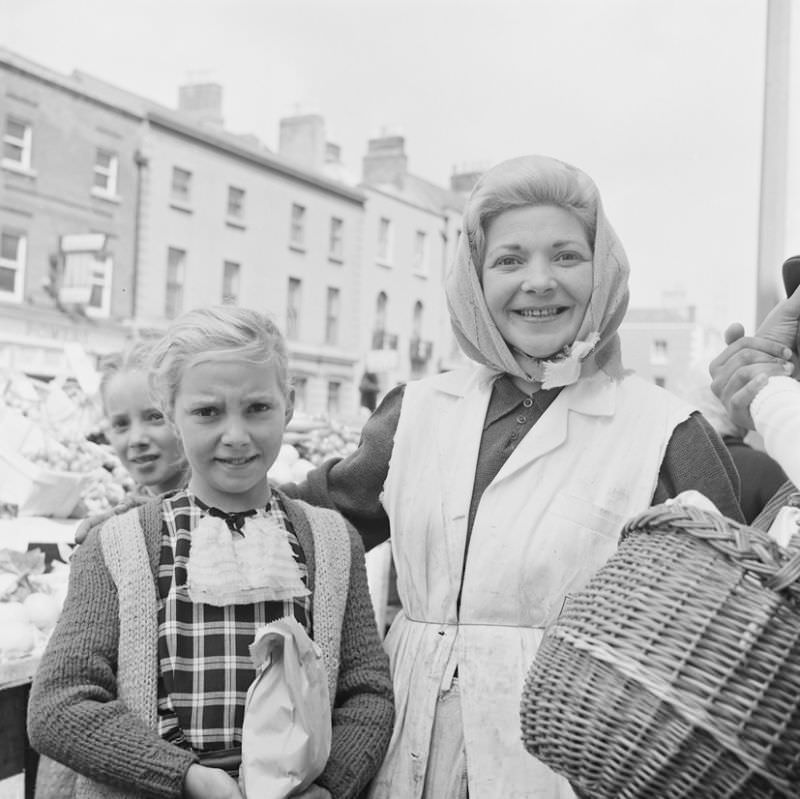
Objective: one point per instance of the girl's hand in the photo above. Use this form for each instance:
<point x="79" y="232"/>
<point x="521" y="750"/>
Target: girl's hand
<point x="314" y="792"/>
<point x="202" y="782"/>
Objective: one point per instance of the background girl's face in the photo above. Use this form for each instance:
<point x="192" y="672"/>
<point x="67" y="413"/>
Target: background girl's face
<point x="231" y="417"/>
<point x="140" y="434"/>
<point x="537" y="277"/>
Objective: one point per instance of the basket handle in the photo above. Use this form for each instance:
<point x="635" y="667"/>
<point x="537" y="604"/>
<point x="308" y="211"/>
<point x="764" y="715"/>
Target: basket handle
<point x="777" y="567"/>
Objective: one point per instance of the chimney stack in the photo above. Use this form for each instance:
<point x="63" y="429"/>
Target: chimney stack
<point x="465" y="176"/>
<point x="302" y="140"/>
<point x="385" y="161"/>
<point x="203" y="102"/>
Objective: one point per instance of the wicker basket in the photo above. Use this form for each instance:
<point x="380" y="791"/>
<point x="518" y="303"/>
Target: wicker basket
<point x="676" y="671"/>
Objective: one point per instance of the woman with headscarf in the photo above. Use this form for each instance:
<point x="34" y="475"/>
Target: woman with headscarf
<point x="505" y="483"/>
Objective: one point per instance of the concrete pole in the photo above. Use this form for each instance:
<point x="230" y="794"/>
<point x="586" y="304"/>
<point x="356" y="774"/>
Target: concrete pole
<point x="774" y="157"/>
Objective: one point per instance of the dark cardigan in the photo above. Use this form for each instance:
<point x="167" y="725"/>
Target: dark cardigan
<point x="74" y="692"/>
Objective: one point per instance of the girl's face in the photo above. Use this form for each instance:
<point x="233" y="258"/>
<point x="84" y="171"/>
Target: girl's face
<point x="142" y="438"/>
<point x="537" y="278"/>
<point x="231" y="417"/>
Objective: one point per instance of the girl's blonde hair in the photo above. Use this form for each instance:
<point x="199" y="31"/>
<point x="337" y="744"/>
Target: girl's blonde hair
<point x="216" y="332"/>
<point x="529" y="180"/>
<point x="136" y="358"/>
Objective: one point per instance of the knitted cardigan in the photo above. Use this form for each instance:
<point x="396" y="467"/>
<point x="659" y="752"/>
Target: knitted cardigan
<point x="93" y="700"/>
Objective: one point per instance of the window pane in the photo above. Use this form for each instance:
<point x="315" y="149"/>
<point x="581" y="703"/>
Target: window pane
<point x="15" y="128"/>
<point x="298" y="221"/>
<point x="96" y="296"/>
<point x="335" y="244"/>
<point x="103" y="159"/>
<point x="230" y="282"/>
<point x="9" y="246"/>
<point x="13" y="152"/>
<point x="100" y="180"/>
<point x="334" y="397"/>
<point x="235" y="201"/>
<point x="8" y="279"/>
<point x="181" y="180"/>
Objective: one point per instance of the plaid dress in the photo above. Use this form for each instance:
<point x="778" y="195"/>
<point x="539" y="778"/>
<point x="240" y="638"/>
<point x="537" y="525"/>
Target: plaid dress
<point x="204" y="661"/>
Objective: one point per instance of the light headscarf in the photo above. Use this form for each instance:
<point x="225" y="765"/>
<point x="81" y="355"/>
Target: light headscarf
<point x="596" y="345"/>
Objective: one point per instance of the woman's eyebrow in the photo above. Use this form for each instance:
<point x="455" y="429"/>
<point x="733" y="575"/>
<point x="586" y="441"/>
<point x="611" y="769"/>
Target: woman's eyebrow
<point x="506" y="248"/>
<point x="570" y="242"/>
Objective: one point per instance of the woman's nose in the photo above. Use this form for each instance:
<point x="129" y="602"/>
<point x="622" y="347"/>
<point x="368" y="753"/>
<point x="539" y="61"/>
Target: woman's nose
<point x="538" y="276"/>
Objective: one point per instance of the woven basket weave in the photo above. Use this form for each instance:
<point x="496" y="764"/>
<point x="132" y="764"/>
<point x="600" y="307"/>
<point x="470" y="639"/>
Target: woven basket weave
<point x="676" y="672"/>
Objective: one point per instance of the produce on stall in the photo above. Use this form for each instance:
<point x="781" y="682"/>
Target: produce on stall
<point x="54" y="462"/>
<point x="30" y="601"/>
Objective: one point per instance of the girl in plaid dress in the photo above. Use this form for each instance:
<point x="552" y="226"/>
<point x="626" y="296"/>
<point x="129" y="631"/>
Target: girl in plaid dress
<point x="143" y="684"/>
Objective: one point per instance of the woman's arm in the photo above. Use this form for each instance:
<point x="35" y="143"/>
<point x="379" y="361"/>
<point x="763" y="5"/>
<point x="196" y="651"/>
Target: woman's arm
<point x="696" y="458"/>
<point x="364" y="710"/>
<point x="353" y="485"/>
<point x="74" y="714"/>
<point x="776" y="415"/>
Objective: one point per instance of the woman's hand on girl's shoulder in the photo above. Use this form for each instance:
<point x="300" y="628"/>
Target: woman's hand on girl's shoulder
<point x="97" y="519"/>
<point x="202" y="782"/>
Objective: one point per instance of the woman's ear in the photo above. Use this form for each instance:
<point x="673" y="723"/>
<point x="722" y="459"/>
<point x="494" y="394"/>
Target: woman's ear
<point x="289" y="406"/>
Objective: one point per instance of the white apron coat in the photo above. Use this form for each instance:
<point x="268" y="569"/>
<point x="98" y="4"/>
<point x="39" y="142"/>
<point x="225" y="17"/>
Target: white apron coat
<point x="549" y="519"/>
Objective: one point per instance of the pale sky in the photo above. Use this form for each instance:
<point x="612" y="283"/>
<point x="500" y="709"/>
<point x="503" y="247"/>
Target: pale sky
<point x="660" y="101"/>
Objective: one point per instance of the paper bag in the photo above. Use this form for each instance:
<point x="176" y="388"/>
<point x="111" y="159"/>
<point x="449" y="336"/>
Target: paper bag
<point x="286" y="733"/>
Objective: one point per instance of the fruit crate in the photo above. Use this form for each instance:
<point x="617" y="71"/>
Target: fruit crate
<point x="36" y="490"/>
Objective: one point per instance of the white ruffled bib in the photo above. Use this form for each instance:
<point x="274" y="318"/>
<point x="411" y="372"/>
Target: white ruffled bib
<point x="226" y="568"/>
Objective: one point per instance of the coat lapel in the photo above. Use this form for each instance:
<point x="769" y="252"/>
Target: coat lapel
<point x="593" y="396"/>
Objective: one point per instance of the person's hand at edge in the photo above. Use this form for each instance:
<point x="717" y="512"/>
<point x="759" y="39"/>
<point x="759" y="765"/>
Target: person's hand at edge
<point x="742" y="369"/>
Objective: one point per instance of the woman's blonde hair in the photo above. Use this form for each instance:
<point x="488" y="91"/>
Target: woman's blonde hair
<point x="529" y="180"/>
<point x="216" y="332"/>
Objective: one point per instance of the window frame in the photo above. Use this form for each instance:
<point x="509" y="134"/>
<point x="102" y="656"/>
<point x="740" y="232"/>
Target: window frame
<point x="181" y="194"/>
<point x="25" y="144"/>
<point x="231" y="297"/>
<point x="111" y="173"/>
<point x="293" y="311"/>
<point x="18" y="266"/>
<point x="336" y="239"/>
<point x="297" y="226"/>
<point x="103" y="311"/>
<point x="175" y="287"/>
<point x="333" y="397"/>
<point x="421" y="254"/>
<point x="333" y="312"/>
<point x="235" y="210"/>
<point x="384" y="248"/>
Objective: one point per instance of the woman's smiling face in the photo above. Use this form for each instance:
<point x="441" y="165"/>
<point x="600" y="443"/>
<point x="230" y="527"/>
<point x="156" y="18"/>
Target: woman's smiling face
<point x="537" y="278"/>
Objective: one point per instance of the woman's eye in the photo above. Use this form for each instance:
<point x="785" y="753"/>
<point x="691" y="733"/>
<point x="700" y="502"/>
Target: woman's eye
<point x="569" y="258"/>
<point x="507" y="260"/>
<point x="205" y="412"/>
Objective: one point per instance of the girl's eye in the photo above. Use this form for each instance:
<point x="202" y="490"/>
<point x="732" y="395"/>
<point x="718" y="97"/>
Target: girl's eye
<point x="260" y="407"/>
<point x="154" y="417"/>
<point x="119" y="425"/>
<point x="206" y="412"/>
